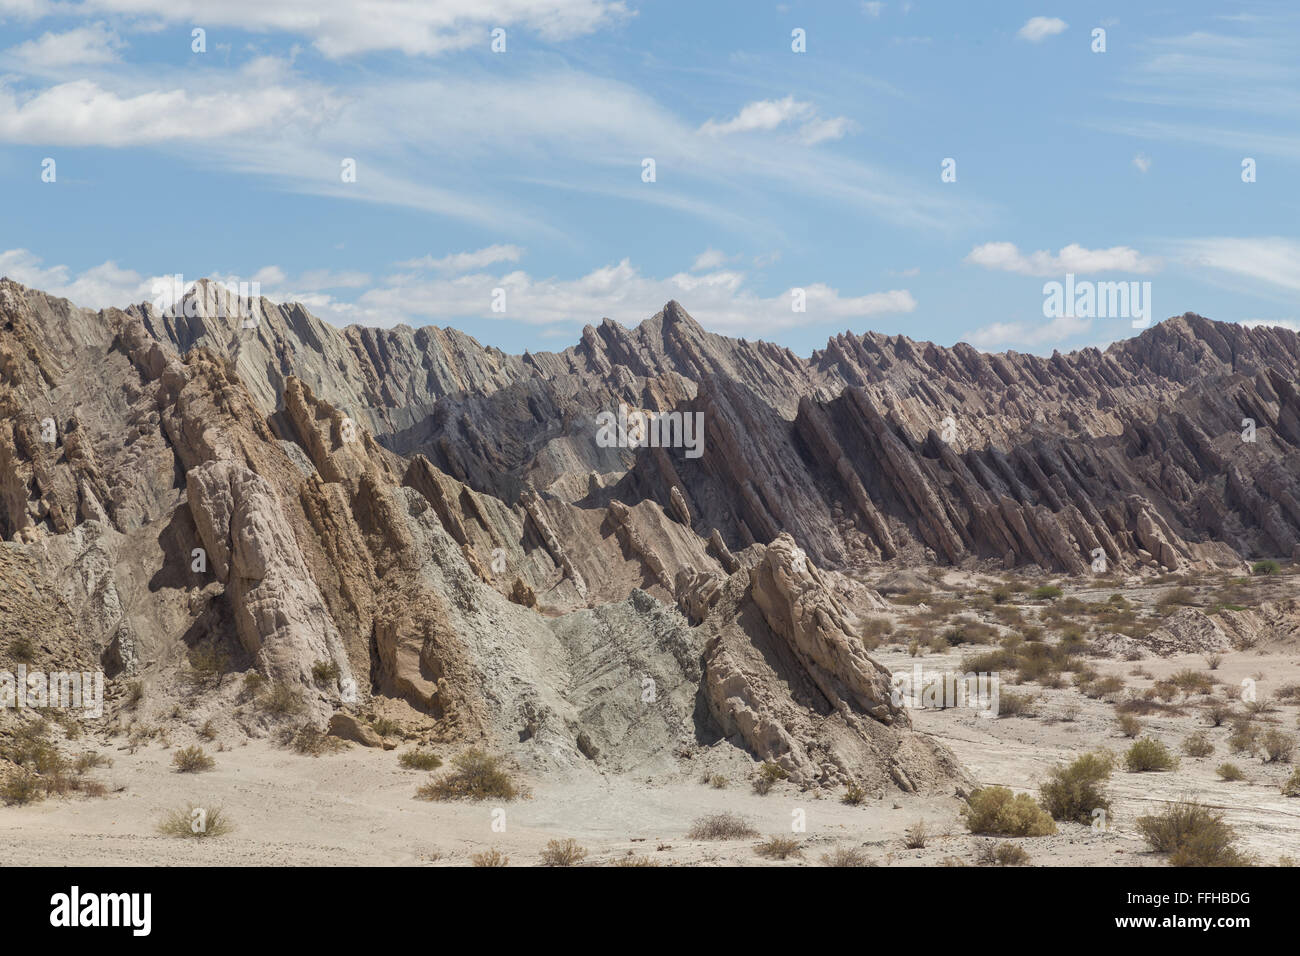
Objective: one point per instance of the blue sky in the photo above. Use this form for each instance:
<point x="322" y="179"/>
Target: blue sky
<point x="774" y="170"/>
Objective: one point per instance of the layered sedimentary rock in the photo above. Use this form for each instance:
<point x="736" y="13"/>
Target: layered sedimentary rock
<point x="406" y="514"/>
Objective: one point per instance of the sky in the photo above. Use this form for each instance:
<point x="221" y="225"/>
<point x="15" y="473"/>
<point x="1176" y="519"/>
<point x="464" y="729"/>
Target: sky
<point x="520" y="170"/>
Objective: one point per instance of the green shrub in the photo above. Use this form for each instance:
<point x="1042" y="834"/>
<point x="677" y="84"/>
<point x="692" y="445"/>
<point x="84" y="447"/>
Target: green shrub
<point x="325" y="672"/>
<point x="996" y="811"/>
<point x="1073" y="791"/>
<point x="1230" y="773"/>
<point x="478" y="776"/>
<point x="1147" y="755"/>
<point x="768" y="774"/>
<point x="1193" y="835"/>
<point x="1048" y="592"/>
<point x="282" y="700"/>
<point x="853" y="795"/>
<point x="420" y="760"/>
<point x="1267" y="566"/>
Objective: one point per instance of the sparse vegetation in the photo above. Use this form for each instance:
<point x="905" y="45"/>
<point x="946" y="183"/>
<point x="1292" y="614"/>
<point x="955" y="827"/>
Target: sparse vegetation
<point x="992" y="853"/>
<point x="853" y="795"/>
<point x="1047" y="592"/>
<point x="192" y="760"/>
<point x="478" y="776"/>
<point x="281" y="700"/>
<point x="996" y="811"/>
<point x="1149" y="755"/>
<point x="918" y="834"/>
<point x="721" y="826"/>
<point x="1193" y="835"/>
<point x="196" y="822"/>
<point x="846" y="856"/>
<point x="778" y="848"/>
<point x="22" y="649"/>
<point x="1230" y="773"/>
<point x="1267" y="566"/>
<point x="325" y="673"/>
<point x="1129" y="725"/>
<point x="1198" y="745"/>
<point x="1292" y="786"/>
<point x="492" y="857"/>
<point x="1073" y="791"/>
<point x="563" y="853"/>
<point x="420" y="760"/>
<point x="1277" y="746"/>
<point x="768" y="775"/>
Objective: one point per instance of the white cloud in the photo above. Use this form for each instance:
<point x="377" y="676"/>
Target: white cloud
<point x="462" y="262"/>
<point x="341" y="28"/>
<point x="98" y="287"/>
<point x="1142" y="161"/>
<point x="820" y="131"/>
<point x="873" y="8"/>
<point x="1005" y="257"/>
<point x="94" y="44"/>
<point x="81" y="113"/>
<point x="1273" y="260"/>
<point x="760" y="115"/>
<point x="1002" y="334"/>
<point x="1037" y="29"/>
<point x="709" y="259"/>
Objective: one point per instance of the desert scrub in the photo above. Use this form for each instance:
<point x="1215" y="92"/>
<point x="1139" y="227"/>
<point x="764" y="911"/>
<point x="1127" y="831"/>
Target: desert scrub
<point x="718" y="782"/>
<point x="1292" y="786"/>
<point x="1011" y="704"/>
<point x="1129" y="725"/>
<point x="310" y="741"/>
<point x="1047" y="592"/>
<point x="917" y="836"/>
<point x="991" y="853"/>
<point x="996" y="811"/>
<point x="853" y="795"/>
<point x="1264" y="567"/>
<point x="721" y="826"/>
<point x="1230" y="773"/>
<point x="1192" y="834"/>
<point x="563" y="853"/>
<point x="281" y="700"/>
<point x="493" y="857"/>
<point x="134" y="694"/>
<point x="1149" y="755"/>
<point x="420" y="760"/>
<point x="22" y="649"/>
<point x="196" y="822"/>
<point x="325" y="673"/>
<point x="846" y="856"/>
<point x="20" y="788"/>
<point x="1075" y="790"/>
<point x="1277" y="746"/>
<point x="768" y="774"/>
<point x="192" y="760"/>
<point x="208" y="663"/>
<point x="478" y="776"/>
<point x="386" y="727"/>
<point x="1198" y="745"/>
<point x="778" y="848"/>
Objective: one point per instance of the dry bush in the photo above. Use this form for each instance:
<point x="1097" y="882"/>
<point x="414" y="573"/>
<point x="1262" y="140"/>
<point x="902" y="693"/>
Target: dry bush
<point x="563" y="853"/>
<point x="1218" y="712"/>
<point x="918" y="834"/>
<point x="1073" y="791"/>
<point x="846" y="856"/>
<point x="1011" y="704"/>
<point x="1129" y="725"/>
<point x="992" y="853"/>
<point x="632" y="860"/>
<point x="21" y="787"/>
<point x="721" y="826"/>
<point x="1277" y="746"/>
<point x="281" y="700"/>
<point x="493" y="857"/>
<point x="778" y="848"/>
<point x="192" y="760"/>
<point x="996" y="811"/>
<point x="853" y="795"/>
<point x="310" y="740"/>
<point x="1230" y="773"/>
<point x="324" y="673"/>
<point x="478" y="776"/>
<point x="1149" y="755"/>
<point x="1292" y="786"/>
<point x="1198" y="745"/>
<point x="768" y="774"/>
<point x="1193" y="835"/>
<point x="420" y="760"/>
<point x="196" y="822"/>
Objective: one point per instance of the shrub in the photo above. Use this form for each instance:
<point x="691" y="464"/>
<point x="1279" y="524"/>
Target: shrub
<point x="991" y="853"/>
<point x="1218" y="712"/>
<point x="778" y="848"/>
<point x="1230" y="773"/>
<point x="768" y="774"/>
<point x="90" y="761"/>
<point x="1278" y="747"/>
<point x="1198" y="745"/>
<point x="20" y="788"/>
<point x="721" y="826"/>
<point x="853" y="795"/>
<point x="1193" y="835"/>
<point x="1011" y="704"/>
<point x="325" y="672"/>
<point x="563" y="853"/>
<point x="478" y="776"/>
<point x="420" y="760"/>
<point x="718" y="782"/>
<point x="386" y="727"/>
<point x="195" y="822"/>
<point x="1129" y="725"/>
<point x="281" y="700"/>
<point x="1147" y="755"/>
<point x="996" y="811"/>
<point x="1267" y="566"/>
<point x="1073" y="791"/>
<point x="22" y="649"/>
<point x="1106" y="686"/>
<point x="632" y="860"/>
<point x="1192" y="682"/>
<point x="846" y="856"/>
<point x="1292" y="787"/>
<point x="134" y="694"/>
<point x="918" y="834"/>
<point x="1212" y="661"/>
<point x="207" y="666"/>
<point x="1048" y="592"/>
<point x="1244" y="738"/>
<point x="493" y="857"/>
<point x="192" y="760"/>
<point x="309" y="740"/>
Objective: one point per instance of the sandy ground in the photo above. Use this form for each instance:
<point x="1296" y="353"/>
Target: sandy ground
<point x="358" y="806"/>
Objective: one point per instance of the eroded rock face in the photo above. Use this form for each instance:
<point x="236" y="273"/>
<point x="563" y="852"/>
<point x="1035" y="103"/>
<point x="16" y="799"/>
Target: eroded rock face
<point x="434" y="520"/>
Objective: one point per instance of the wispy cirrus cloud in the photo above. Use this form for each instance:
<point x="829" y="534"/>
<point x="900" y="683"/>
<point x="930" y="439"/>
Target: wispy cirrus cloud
<point x="1007" y="257"/>
<point x="1038" y="29"/>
